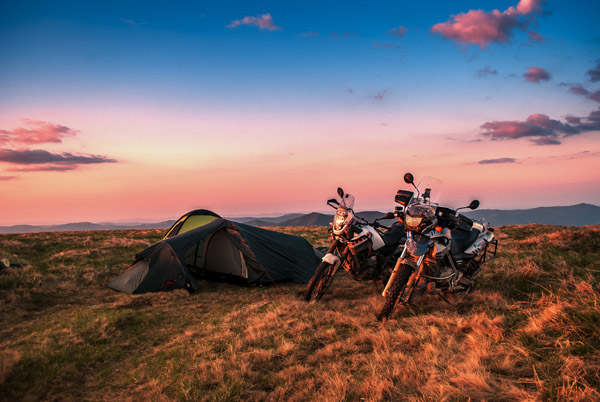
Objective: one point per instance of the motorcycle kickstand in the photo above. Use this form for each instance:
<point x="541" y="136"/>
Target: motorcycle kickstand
<point x="444" y="299"/>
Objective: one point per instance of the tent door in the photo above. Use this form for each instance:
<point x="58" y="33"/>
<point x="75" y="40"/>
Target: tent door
<point x="223" y="256"/>
<point x="244" y="267"/>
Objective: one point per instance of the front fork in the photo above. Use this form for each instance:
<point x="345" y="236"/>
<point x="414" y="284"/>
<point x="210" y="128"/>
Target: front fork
<point x="332" y="257"/>
<point x="419" y="265"/>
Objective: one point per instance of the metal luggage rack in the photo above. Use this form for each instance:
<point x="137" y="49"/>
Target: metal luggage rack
<point x="491" y="250"/>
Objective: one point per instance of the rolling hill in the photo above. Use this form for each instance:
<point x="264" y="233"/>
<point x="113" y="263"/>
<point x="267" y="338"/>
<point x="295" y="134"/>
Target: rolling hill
<point x="573" y="215"/>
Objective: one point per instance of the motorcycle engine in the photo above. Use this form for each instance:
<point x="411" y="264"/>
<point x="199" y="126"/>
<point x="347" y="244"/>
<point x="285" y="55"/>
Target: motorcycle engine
<point x="368" y="269"/>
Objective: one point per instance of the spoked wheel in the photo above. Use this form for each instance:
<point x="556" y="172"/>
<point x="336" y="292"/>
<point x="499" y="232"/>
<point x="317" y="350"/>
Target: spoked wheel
<point x="394" y="291"/>
<point x="320" y="282"/>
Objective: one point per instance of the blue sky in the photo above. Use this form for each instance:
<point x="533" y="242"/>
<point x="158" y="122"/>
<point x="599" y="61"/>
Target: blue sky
<point x="142" y="83"/>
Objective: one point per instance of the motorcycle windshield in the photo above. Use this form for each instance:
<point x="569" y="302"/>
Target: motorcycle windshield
<point x="347" y="201"/>
<point x="417" y="244"/>
<point x="435" y="189"/>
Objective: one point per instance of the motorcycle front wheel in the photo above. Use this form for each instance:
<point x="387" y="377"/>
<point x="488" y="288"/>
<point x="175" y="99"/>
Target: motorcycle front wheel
<point x="394" y="291"/>
<point x="320" y="282"/>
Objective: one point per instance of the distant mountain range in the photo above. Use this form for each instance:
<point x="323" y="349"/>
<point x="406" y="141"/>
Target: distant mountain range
<point x="82" y="226"/>
<point x="574" y="215"/>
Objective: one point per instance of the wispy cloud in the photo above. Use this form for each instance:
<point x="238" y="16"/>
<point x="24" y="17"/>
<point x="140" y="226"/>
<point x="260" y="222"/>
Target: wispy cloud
<point x="536" y="75"/>
<point x="36" y="132"/>
<point x="482" y="28"/>
<point x="498" y="160"/>
<point x="264" y="21"/>
<point x="380" y="95"/>
<point x="386" y="45"/>
<point x="132" y="22"/>
<point x="338" y="35"/>
<point x="309" y="34"/>
<point x="399" y="31"/>
<point x="8" y="178"/>
<point x="594" y="73"/>
<point x="579" y="90"/>
<point x="41" y="160"/>
<point x="486" y="71"/>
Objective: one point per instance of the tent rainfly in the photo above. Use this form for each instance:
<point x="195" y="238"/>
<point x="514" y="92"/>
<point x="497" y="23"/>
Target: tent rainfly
<point x="201" y="242"/>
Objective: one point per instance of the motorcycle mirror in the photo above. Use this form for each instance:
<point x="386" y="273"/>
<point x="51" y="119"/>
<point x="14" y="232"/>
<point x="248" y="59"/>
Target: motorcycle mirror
<point x="340" y="192"/>
<point x="409" y="179"/>
<point x="389" y="215"/>
<point x="474" y="204"/>
<point x="333" y="200"/>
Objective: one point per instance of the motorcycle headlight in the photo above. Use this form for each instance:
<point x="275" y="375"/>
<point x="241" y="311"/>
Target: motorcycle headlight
<point x="339" y="221"/>
<point x="413" y="221"/>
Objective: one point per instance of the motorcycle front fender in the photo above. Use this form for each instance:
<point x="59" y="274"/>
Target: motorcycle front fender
<point x="332" y="259"/>
<point x="417" y="248"/>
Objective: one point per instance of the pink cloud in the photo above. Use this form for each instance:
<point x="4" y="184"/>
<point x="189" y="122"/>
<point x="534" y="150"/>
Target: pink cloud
<point x="534" y="36"/>
<point x="579" y="90"/>
<point x="529" y="6"/>
<point x="36" y="132"/>
<point x="7" y="178"/>
<point x="35" y="160"/>
<point x="541" y="129"/>
<point x="536" y="74"/>
<point x="264" y="21"/>
<point x="482" y="28"/>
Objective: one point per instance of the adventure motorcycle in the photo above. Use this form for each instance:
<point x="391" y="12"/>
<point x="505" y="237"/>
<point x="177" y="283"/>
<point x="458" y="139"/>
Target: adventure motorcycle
<point x="443" y="251"/>
<point x="359" y="247"/>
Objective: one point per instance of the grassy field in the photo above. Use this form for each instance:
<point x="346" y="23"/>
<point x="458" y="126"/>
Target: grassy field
<point x="530" y="332"/>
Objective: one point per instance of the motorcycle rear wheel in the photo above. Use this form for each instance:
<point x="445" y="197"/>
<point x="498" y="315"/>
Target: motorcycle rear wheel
<point x="320" y="282"/>
<point x="394" y="291"/>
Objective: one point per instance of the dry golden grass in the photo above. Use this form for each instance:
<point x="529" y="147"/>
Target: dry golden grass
<point x="530" y="332"/>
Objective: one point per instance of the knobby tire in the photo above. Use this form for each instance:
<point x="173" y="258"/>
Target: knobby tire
<point x="318" y="284"/>
<point x="394" y="292"/>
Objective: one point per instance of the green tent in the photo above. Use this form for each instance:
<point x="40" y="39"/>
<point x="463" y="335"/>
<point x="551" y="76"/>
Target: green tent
<point x="191" y="220"/>
<point x="222" y="248"/>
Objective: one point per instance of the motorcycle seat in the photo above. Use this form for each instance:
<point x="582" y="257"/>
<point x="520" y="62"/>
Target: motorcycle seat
<point x="394" y="234"/>
<point x="462" y="240"/>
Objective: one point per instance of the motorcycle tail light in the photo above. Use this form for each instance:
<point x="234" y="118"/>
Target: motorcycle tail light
<point x="438" y="229"/>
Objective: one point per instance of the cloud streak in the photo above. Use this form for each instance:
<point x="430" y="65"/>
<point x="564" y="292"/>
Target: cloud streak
<point x="264" y="21"/>
<point x="399" y="31"/>
<point x="486" y="71"/>
<point x="482" y="28"/>
<point x="536" y="75"/>
<point x="380" y="95"/>
<point x="594" y="73"/>
<point x="36" y="132"/>
<point x="498" y="160"/>
<point x="40" y="156"/>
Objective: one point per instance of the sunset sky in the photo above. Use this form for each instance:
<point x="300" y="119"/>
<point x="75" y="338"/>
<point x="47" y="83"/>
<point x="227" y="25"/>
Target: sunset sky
<point x="145" y="110"/>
